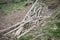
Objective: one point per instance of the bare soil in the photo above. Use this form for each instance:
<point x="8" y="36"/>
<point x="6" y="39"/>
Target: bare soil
<point x="13" y="18"/>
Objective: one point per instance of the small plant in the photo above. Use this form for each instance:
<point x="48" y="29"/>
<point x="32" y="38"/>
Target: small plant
<point x="29" y="37"/>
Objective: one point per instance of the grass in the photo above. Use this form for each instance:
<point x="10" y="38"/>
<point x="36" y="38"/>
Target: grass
<point x="52" y="33"/>
<point x="26" y="37"/>
<point x="49" y="29"/>
<point x="29" y="37"/>
<point x="11" y="7"/>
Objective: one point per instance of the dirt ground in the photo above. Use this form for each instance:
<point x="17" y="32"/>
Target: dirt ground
<point x="9" y="20"/>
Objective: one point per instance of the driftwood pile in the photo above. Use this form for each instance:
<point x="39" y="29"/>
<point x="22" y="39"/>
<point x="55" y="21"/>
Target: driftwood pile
<point x="35" y="17"/>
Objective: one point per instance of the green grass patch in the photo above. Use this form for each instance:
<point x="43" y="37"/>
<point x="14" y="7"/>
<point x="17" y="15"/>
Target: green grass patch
<point x="9" y="8"/>
<point x="54" y="32"/>
<point x="26" y="37"/>
<point x="38" y="38"/>
<point x="58" y="24"/>
<point x="29" y="37"/>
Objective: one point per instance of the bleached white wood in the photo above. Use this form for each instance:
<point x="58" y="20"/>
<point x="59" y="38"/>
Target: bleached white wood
<point x="26" y="31"/>
<point x="17" y="27"/>
<point x="18" y="31"/>
<point x="34" y="9"/>
<point x="30" y="10"/>
<point x="29" y="29"/>
<point x="8" y="28"/>
<point x="18" y="22"/>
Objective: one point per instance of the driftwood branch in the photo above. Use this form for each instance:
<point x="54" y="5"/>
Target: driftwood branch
<point x="26" y="31"/>
<point x="18" y="27"/>
<point x="31" y="28"/>
<point x="9" y="28"/>
<point x="14" y="26"/>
